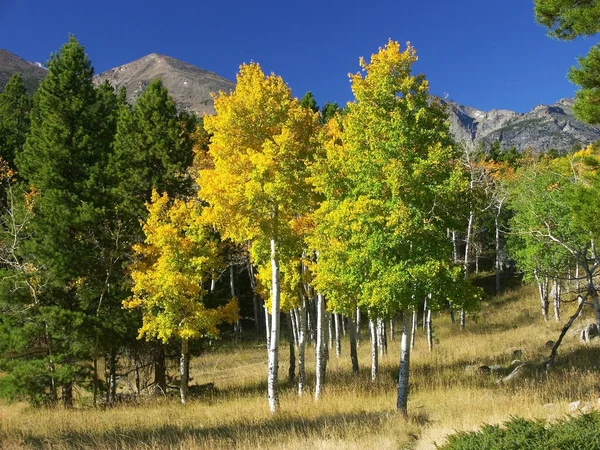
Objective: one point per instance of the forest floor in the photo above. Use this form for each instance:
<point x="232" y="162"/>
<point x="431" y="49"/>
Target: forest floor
<point x="448" y="393"/>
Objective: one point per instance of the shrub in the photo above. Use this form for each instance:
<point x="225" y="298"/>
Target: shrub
<point x="574" y="433"/>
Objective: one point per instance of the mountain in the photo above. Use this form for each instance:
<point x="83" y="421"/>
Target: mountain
<point x="189" y="85"/>
<point x="545" y="127"/>
<point x="31" y="73"/>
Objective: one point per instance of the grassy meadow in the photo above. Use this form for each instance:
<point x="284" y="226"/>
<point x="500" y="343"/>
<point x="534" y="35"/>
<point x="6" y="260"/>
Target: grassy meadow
<point x="447" y="393"/>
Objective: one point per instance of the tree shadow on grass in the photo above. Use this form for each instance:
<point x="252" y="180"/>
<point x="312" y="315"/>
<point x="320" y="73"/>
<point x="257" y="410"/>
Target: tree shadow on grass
<point x="265" y="434"/>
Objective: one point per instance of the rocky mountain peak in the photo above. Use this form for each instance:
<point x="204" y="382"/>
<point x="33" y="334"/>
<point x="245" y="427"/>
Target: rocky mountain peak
<point x="189" y="85"/>
<point x="545" y="127"/>
<point x="10" y="64"/>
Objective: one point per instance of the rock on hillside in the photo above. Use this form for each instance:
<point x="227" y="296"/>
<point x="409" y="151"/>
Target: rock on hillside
<point x="543" y="128"/>
<point x="189" y="85"/>
<point x="10" y="64"/>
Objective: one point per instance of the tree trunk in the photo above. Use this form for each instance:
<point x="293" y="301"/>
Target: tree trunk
<point x="67" y="395"/>
<point x="237" y="330"/>
<point x="374" y="350"/>
<point x="543" y="291"/>
<point x="184" y="370"/>
<point x="338" y="340"/>
<point x="254" y="300"/>
<point x="138" y="384"/>
<point x="381" y="337"/>
<point x="321" y="347"/>
<point x="112" y="375"/>
<point x="497" y="226"/>
<point x="160" y="370"/>
<point x="404" y="366"/>
<point x="353" y="349"/>
<point x="311" y="317"/>
<point x="554" y="352"/>
<point x="290" y="334"/>
<point x="463" y="318"/>
<point x="302" y="347"/>
<point x="429" y="331"/>
<point x="392" y="330"/>
<point x="454" y="247"/>
<point x="556" y="291"/>
<point x="268" y="326"/>
<point x="96" y="382"/>
<point x="273" y="364"/>
<point x="427" y="297"/>
<point x="294" y="323"/>
<point x="51" y="368"/>
<point x="413" y="333"/>
<point x="343" y="323"/>
<point x="580" y="298"/>
<point x="357" y="326"/>
<point x="330" y="328"/>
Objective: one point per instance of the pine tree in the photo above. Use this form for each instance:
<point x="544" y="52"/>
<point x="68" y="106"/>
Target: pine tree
<point x="15" y="107"/>
<point x="63" y="159"/>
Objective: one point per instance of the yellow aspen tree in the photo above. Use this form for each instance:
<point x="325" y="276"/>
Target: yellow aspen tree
<point x="261" y="141"/>
<point x="392" y="186"/>
<point x="178" y="255"/>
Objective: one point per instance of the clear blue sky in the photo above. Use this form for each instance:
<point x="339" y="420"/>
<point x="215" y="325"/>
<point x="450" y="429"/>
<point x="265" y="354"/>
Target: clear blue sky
<point x="482" y="54"/>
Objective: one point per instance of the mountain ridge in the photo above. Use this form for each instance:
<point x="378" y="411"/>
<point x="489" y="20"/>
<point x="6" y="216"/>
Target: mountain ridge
<point x="543" y="128"/>
<point x="31" y="73"/>
<point x="189" y="85"/>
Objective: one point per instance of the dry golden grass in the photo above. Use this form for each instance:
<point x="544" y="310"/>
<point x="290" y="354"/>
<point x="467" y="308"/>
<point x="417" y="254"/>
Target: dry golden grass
<point x="354" y="412"/>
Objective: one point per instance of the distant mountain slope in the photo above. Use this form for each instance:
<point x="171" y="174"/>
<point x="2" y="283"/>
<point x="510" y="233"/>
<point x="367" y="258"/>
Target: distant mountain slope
<point x="189" y="85"/>
<point x="545" y="127"/>
<point x="31" y="73"/>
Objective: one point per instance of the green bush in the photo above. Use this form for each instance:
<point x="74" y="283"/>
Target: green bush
<point x="574" y="433"/>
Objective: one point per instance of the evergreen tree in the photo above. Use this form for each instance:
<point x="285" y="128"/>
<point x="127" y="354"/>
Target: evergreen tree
<point x="15" y="106"/>
<point x="566" y="20"/>
<point x="329" y="110"/>
<point x="63" y="159"/>
<point x="308" y="101"/>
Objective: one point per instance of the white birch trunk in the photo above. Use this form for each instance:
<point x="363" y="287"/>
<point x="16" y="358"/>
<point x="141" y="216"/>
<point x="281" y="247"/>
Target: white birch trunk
<point x="343" y="323"/>
<point x="338" y="340"/>
<point x="268" y="326"/>
<point x="463" y="318"/>
<point x="413" y="333"/>
<point x="330" y="330"/>
<point x="374" y="350"/>
<point x="358" y="326"/>
<point x="429" y="331"/>
<point x="392" y="330"/>
<point x="184" y="370"/>
<point x="302" y="347"/>
<point x="321" y="347"/>
<point x="294" y="323"/>
<point x="543" y="291"/>
<point x="556" y="291"/>
<point x="273" y="364"/>
<point x="404" y="365"/>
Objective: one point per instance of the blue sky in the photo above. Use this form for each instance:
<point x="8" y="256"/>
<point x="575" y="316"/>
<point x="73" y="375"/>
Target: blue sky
<point x="482" y="54"/>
